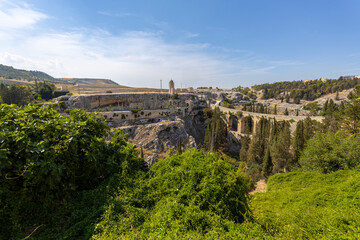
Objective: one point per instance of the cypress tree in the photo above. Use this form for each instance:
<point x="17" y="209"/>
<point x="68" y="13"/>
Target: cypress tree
<point x="179" y="146"/>
<point x="287" y="98"/>
<point x="308" y="128"/>
<point x="286" y="112"/>
<point x="245" y="142"/>
<point x="299" y="140"/>
<point x="267" y="166"/>
<point x="141" y="152"/>
<point x="207" y="138"/>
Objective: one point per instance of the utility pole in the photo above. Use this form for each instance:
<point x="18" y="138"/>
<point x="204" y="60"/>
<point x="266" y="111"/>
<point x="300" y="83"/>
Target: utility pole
<point x="160" y="85"/>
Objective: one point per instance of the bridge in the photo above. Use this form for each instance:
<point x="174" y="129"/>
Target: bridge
<point x="237" y="124"/>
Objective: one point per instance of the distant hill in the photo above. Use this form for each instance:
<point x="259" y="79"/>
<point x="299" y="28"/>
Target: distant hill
<point x="10" y="75"/>
<point x="8" y="72"/>
<point x="89" y="81"/>
<point x="306" y="90"/>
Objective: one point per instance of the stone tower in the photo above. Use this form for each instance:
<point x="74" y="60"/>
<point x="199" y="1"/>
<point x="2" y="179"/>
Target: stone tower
<point x="171" y="87"/>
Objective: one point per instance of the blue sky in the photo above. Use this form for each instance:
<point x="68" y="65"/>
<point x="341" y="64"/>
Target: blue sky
<point x="222" y="43"/>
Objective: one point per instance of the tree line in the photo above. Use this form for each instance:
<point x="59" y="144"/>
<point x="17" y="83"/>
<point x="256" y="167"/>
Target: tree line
<point x="22" y="95"/>
<point x="304" y="90"/>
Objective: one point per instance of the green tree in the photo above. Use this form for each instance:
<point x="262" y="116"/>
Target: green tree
<point x="298" y="141"/>
<point x="47" y="91"/>
<point x="245" y="142"/>
<point x="267" y="164"/>
<point x="179" y="146"/>
<point x="328" y="152"/>
<point x="286" y="112"/>
<point x="18" y="95"/>
<point x="351" y="117"/>
<point x="215" y="134"/>
<point x="280" y="149"/>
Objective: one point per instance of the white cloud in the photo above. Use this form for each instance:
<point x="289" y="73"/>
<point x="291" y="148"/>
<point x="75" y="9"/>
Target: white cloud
<point x="135" y="58"/>
<point x="16" y="16"/>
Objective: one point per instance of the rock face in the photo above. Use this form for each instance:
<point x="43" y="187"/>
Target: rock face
<point x="128" y="101"/>
<point x="160" y="139"/>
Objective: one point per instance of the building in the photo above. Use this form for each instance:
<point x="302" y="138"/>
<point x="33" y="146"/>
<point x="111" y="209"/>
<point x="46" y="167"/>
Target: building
<point x="349" y="77"/>
<point x="171" y="87"/>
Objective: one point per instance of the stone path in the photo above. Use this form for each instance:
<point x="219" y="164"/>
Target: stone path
<point x="260" y="186"/>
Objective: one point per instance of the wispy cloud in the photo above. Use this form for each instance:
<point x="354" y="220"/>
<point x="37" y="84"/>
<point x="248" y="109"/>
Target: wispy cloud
<point x="17" y="16"/>
<point x="135" y="58"/>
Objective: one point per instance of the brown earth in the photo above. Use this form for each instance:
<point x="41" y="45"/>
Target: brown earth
<point x="260" y="186"/>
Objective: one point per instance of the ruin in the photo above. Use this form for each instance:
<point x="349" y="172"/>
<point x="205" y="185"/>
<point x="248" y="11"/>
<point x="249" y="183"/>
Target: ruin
<point x="171" y="87"/>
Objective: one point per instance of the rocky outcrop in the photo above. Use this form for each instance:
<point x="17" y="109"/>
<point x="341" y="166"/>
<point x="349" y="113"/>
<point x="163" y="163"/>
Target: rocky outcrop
<point x="158" y="140"/>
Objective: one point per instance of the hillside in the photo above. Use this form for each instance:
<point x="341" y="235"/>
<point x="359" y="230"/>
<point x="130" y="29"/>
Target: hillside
<point x="308" y="205"/>
<point x="10" y="75"/>
<point x="304" y="90"/>
<point x="8" y="72"/>
<point x="89" y="81"/>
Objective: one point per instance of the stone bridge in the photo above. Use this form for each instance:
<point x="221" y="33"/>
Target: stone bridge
<point x="238" y="125"/>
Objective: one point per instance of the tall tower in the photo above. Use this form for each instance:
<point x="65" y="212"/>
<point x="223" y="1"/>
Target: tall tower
<point x="171" y="87"/>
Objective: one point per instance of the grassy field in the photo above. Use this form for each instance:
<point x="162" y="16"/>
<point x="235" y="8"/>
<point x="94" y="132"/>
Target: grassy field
<point x="310" y="205"/>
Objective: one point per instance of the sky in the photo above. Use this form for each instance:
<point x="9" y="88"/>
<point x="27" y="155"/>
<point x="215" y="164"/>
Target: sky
<point x="218" y="43"/>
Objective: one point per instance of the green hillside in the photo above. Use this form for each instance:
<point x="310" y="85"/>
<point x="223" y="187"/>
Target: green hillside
<point x="306" y="90"/>
<point x="310" y="205"/>
<point x="11" y="76"/>
<point x="8" y="72"/>
<point x="89" y="81"/>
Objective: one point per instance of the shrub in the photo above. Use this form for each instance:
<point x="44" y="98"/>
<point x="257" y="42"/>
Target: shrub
<point x="135" y="110"/>
<point x="184" y="196"/>
<point x="328" y="152"/>
<point x="46" y="158"/>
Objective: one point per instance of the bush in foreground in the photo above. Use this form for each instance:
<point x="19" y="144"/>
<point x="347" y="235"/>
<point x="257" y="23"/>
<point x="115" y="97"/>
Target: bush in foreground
<point x="195" y="194"/>
<point x="46" y="159"/>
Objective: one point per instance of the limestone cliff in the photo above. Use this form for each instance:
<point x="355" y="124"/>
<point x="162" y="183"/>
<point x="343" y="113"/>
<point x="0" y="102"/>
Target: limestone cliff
<point x="158" y="140"/>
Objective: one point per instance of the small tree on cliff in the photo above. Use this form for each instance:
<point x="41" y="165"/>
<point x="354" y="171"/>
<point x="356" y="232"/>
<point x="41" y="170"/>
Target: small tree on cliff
<point x="179" y="146"/>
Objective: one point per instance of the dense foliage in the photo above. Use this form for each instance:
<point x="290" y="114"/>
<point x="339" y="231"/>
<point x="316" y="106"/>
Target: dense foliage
<point x="46" y="158"/>
<point x="215" y="134"/>
<point x="271" y="149"/>
<point x="18" y="95"/>
<point x="194" y="194"/>
<point x="329" y="152"/>
<point x="21" y="95"/>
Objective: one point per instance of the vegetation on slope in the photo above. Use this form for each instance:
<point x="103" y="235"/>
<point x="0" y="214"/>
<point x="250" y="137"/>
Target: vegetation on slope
<point x="309" y="90"/>
<point x="21" y="95"/>
<point x="310" y="205"/>
<point x="13" y="73"/>
<point x="195" y="194"/>
<point x="46" y="159"/>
